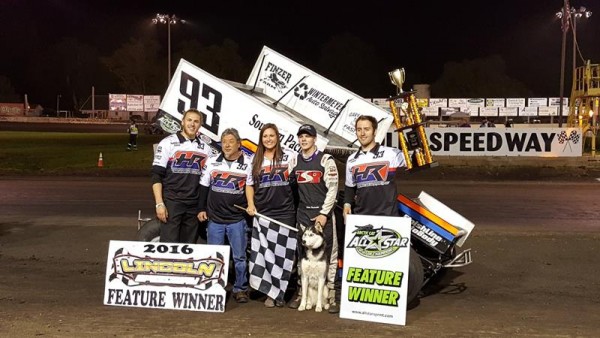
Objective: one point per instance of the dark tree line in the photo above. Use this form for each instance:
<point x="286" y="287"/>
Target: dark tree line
<point x="70" y="68"/>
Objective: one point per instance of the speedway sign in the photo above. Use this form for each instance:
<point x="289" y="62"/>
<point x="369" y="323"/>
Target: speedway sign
<point x="541" y="142"/>
<point x="223" y="106"/>
<point x="376" y="266"/>
<point x="166" y="276"/>
<point x="314" y="97"/>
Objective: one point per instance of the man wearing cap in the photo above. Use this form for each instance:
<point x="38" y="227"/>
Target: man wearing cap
<point x="317" y="178"/>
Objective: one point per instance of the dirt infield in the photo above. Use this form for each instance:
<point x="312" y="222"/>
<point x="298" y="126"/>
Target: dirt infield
<point x="534" y="249"/>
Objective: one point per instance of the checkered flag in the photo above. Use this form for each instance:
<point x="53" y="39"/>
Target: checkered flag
<point x="272" y="257"/>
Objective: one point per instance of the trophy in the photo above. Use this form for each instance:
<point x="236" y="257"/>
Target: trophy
<point x="411" y="133"/>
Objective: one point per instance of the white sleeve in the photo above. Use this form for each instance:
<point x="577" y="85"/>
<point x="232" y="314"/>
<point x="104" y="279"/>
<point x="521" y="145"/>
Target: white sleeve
<point x="162" y="154"/>
<point x="249" y="178"/>
<point x="205" y="175"/>
<point x="349" y="179"/>
<point x="398" y="160"/>
<point x="331" y="182"/>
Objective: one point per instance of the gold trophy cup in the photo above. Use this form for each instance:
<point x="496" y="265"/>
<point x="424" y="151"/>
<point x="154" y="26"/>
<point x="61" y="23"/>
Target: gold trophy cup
<point x="411" y="133"/>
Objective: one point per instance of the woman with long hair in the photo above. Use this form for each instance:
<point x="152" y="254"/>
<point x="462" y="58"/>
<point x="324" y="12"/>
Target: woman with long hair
<point x="271" y="194"/>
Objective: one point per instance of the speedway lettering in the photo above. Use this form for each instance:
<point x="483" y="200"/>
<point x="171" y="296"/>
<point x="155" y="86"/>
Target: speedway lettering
<point x="491" y="141"/>
<point x="556" y="142"/>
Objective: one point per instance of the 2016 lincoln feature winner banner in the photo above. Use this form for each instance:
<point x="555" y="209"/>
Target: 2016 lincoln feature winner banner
<point x="166" y="276"/>
<point x="376" y="263"/>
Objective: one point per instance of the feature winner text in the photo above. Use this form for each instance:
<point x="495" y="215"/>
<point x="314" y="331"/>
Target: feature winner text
<point x="374" y="277"/>
<point x="159" y="299"/>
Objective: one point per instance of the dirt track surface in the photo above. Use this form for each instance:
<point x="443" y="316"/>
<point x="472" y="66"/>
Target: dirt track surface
<point x="534" y="249"/>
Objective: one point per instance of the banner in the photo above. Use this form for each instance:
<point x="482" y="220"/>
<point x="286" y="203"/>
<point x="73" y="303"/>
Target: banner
<point x="222" y="107"/>
<point x="166" y="276"/>
<point x="542" y="142"/>
<point x="314" y="97"/>
<point x="117" y="102"/>
<point x="494" y="102"/>
<point x="151" y="103"/>
<point x="376" y="267"/>
<point x="518" y="103"/>
<point x="438" y="103"/>
<point x="135" y="102"/>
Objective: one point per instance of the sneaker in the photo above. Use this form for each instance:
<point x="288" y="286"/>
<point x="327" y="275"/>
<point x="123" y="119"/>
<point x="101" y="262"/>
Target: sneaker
<point x="240" y="297"/>
<point x="294" y="303"/>
<point x="334" y="307"/>
<point x="269" y="302"/>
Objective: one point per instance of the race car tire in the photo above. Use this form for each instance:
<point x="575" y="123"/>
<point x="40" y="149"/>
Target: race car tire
<point x="415" y="277"/>
<point x="149" y="232"/>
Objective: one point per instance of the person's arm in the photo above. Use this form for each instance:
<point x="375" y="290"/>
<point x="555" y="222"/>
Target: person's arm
<point x="251" y="209"/>
<point x="161" y="209"/>
<point x="159" y="172"/>
<point x="331" y="182"/>
<point x="349" y="191"/>
<point x="202" y="215"/>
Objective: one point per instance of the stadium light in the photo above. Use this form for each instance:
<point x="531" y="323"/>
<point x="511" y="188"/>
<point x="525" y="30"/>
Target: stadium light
<point x="167" y="19"/>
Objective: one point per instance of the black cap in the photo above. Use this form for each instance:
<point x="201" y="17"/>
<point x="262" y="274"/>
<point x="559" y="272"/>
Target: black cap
<point x="307" y="129"/>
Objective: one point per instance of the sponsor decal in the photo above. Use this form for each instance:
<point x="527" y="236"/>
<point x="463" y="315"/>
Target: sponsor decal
<point x="371" y="174"/>
<point x="276" y="77"/>
<point x="318" y="99"/>
<point x="227" y="182"/>
<point x="274" y="176"/>
<point x="187" y="162"/>
<point x="376" y="243"/>
<point x="287" y="140"/>
<point x="309" y="176"/>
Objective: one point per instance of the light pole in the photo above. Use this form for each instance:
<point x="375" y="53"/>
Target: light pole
<point x="582" y="12"/>
<point x="168" y="19"/>
<point x="568" y="14"/>
<point x="58" y="105"/>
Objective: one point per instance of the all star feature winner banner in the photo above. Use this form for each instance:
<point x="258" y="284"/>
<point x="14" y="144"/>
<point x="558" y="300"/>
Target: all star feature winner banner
<point x="166" y="276"/>
<point x="376" y="264"/>
<point x="541" y="142"/>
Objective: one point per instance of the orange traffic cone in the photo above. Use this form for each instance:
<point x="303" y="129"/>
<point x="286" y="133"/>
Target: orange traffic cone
<point x="100" y="161"/>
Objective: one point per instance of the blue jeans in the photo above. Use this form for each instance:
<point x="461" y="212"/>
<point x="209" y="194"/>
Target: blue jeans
<point x="236" y="234"/>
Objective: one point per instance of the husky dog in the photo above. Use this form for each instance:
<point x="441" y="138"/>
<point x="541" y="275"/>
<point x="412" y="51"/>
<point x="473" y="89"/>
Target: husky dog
<point x="313" y="269"/>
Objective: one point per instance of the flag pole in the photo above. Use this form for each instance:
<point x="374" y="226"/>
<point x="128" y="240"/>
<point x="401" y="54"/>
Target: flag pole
<point x="268" y="219"/>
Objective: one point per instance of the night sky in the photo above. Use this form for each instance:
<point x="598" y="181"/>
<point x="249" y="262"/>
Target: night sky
<point x="418" y="35"/>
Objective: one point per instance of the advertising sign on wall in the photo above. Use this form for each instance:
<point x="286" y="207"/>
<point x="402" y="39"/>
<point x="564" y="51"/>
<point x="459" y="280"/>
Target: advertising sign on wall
<point x="135" y="102"/>
<point x="117" y="102"/>
<point x="542" y="142"/>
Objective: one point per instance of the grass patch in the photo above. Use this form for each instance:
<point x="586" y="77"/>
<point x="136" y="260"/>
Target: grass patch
<point x="24" y="153"/>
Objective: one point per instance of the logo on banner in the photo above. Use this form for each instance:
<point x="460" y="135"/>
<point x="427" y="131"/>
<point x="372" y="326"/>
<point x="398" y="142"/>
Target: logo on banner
<point x="370" y="242"/>
<point x="573" y="137"/>
<point x="277" y="77"/>
<point x="319" y="99"/>
<point x="199" y="274"/>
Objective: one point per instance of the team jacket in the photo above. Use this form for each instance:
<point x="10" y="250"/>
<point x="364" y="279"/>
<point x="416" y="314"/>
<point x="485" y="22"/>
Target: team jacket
<point x="178" y="162"/>
<point x="317" y="179"/>
<point x="272" y="193"/>
<point x="371" y="175"/>
<point x="226" y="187"/>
